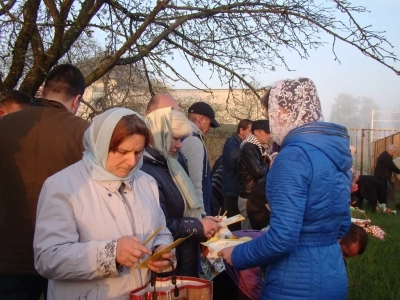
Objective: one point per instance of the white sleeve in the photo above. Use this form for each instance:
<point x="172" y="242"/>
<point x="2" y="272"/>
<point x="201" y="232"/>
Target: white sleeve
<point x="58" y="253"/>
<point x="193" y="150"/>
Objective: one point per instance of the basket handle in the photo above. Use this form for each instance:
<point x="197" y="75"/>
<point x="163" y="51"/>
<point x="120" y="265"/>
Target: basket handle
<point x="153" y="279"/>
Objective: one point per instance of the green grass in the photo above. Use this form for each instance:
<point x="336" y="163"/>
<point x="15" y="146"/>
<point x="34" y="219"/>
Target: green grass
<point x="374" y="274"/>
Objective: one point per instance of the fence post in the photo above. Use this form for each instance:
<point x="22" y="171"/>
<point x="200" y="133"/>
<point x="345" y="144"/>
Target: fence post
<point x="362" y="151"/>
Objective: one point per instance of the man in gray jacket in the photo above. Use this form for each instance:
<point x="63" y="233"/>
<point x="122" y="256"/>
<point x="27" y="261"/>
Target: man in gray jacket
<point x="202" y="118"/>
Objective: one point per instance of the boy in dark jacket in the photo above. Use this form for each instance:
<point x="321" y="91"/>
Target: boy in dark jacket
<point x="230" y="154"/>
<point x="253" y="164"/>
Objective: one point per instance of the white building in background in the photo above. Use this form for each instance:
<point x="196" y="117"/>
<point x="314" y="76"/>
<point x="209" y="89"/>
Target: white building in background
<point x="229" y="105"/>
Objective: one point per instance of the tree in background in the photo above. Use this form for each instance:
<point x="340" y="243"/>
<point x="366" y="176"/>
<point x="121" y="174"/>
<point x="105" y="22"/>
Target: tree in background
<point x="232" y="38"/>
<point x="245" y="105"/>
<point x="123" y="86"/>
<point x="352" y="112"/>
<point x="219" y="109"/>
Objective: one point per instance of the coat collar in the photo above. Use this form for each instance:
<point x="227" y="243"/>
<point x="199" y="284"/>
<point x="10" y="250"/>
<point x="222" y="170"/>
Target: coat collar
<point x="152" y="155"/>
<point x="47" y="103"/>
<point x="114" y="185"/>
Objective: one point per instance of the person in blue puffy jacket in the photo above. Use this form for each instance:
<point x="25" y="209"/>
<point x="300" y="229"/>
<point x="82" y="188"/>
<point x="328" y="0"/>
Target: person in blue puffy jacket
<point x="308" y="189"/>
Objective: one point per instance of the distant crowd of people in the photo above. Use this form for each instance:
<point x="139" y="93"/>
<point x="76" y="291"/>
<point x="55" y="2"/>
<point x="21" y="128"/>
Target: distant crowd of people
<point x="79" y="200"/>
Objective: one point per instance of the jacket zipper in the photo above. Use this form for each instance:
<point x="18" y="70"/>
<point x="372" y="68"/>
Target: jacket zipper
<point x="205" y="152"/>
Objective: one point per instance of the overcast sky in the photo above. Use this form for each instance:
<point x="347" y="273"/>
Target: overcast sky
<point x="356" y="75"/>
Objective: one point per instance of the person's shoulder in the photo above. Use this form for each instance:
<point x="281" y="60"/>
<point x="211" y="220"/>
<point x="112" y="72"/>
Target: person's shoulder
<point x="152" y="168"/>
<point x="233" y="139"/>
<point x="144" y="177"/>
<point x="384" y="154"/>
<point x="16" y="117"/>
<point x="297" y="148"/>
<point x="190" y="143"/>
<point x="246" y="147"/>
<point x="292" y="153"/>
<point x="70" y="173"/>
<point x="191" y="139"/>
<point x="76" y="119"/>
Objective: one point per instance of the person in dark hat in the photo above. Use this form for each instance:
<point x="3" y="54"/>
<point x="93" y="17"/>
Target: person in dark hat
<point x="253" y="164"/>
<point x="202" y="118"/>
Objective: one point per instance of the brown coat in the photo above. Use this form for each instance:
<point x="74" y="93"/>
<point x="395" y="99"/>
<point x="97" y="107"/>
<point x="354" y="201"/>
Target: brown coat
<point x="35" y="143"/>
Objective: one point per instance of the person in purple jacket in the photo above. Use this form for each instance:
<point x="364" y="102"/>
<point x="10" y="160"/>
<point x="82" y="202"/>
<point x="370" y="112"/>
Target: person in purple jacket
<point x="308" y="190"/>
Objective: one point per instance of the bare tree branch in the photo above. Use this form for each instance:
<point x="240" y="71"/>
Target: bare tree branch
<point x="231" y="38"/>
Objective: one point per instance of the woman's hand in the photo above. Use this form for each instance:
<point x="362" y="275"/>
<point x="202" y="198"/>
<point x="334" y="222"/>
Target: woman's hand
<point x="215" y="219"/>
<point x="130" y="250"/>
<point x="162" y="264"/>
<point x="226" y="254"/>
<point x="210" y="226"/>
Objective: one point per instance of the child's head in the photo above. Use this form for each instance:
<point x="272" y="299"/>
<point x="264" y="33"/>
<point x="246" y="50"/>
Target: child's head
<point x="355" y="242"/>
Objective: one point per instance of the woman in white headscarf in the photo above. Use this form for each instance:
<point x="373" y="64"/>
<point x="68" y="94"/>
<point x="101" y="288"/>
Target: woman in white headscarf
<point x="308" y="189"/>
<point x="183" y="210"/>
<point x="93" y="216"/>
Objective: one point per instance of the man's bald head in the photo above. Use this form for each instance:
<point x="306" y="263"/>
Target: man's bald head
<point x="161" y="101"/>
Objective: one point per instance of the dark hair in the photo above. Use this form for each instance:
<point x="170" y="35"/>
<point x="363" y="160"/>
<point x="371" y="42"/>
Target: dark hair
<point x="65" y="79"/>
<point x="16" y="96"/>
<point x="265" y="99"/>
<point x="243" y="124"/>
<point x="358" y="235"/>
<point x="126" y="127"/>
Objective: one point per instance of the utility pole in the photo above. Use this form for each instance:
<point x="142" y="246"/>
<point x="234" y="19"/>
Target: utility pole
<point x="372" y="125"/>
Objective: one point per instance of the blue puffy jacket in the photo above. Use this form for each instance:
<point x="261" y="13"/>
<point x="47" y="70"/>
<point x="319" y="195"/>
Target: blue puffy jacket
<point x="308" y="188"/>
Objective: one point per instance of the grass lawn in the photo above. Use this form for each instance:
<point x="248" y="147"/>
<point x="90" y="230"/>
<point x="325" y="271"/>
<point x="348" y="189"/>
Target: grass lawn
<point x="375" y="274"/>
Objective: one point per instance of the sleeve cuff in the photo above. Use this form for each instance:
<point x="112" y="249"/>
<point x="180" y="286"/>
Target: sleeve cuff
<point x="106" y="264"/>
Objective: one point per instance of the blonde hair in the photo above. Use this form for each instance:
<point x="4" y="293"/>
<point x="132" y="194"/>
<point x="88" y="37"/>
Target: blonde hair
<point x="180" y="124"/>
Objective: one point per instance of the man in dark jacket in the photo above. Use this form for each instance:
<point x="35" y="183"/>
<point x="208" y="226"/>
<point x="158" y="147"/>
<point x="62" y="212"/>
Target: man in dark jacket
<point x="253" y="164"/>
<point x="35" y="143"/>
<point x="383" y="170"/>
<point x="230" y="154"/>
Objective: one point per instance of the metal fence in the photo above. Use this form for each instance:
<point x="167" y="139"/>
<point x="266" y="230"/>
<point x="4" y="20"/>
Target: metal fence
<point x="369" y="144"/>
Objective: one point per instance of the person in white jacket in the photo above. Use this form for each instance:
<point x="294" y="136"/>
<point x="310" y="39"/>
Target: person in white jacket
<point x="93" y="217"/>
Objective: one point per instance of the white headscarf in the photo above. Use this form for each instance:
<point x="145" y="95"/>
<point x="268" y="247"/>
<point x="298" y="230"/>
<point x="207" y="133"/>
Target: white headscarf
<point x="96" y="142"/>
<point x="291" y="104"/>
<point x="159" y="122"/>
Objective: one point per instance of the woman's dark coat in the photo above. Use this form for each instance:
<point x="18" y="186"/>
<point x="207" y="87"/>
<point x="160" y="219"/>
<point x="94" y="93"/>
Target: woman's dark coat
<point x="172" y="204"/>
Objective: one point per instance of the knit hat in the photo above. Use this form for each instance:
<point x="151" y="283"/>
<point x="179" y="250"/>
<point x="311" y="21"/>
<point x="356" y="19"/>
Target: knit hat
<point x="260" y="124"/>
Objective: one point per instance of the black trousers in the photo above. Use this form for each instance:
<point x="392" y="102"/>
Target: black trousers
<point x="22" y="287"/>
<point x="231" y="205"/>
